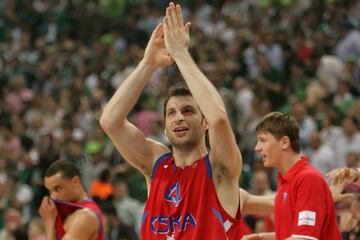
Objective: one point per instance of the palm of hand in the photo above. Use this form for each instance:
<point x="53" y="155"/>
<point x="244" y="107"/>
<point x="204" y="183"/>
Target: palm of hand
<point x="161" y="55"/>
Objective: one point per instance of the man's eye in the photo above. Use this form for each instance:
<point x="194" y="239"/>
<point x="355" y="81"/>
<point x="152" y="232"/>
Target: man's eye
<point x="188" y="111"/>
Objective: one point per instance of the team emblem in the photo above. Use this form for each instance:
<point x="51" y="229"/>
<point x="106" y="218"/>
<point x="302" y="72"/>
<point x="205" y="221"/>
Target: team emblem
<point x="173" y="194"/>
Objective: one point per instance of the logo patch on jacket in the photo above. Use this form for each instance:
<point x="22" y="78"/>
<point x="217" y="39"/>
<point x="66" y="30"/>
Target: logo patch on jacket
<point x="307" y="218"/>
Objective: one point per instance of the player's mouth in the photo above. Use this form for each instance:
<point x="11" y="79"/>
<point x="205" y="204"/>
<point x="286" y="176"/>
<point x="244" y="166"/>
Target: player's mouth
<point x="181" y="131"/>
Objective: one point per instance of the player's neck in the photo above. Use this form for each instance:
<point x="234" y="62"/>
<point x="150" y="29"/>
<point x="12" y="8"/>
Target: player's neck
<point x="82" y="196"/>
<point x="288" y="160"/>
<point x="186" y="157"/>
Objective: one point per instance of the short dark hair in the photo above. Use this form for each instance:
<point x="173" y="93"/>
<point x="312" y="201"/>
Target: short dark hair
<point x="280" y="125"/>
<point x="176" y="91"/>
<point x="67" y="168"/>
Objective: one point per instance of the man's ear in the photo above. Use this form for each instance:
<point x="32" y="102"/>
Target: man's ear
<point x="285" y="142"/>
<point x="165" y="131"/>
<point x="76" y="180"/>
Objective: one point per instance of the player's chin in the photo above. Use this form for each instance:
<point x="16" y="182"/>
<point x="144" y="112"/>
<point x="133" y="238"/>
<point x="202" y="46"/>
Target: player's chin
<point x="267" y="164"/>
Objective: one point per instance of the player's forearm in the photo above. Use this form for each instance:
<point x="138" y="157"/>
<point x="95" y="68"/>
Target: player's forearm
<point x="267" y="236"/>
<point x="203" y="91"/>
<point x="50" y="231"/>
<point x="294" y="238"/>
<point x="262" y="205"/>
<point x="125" y="97"/>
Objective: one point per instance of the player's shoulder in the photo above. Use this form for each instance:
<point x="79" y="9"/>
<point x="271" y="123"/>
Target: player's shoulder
<point x="84" y="216"/>
<point x="81" y="219"/>
<point x="309" y="175"/>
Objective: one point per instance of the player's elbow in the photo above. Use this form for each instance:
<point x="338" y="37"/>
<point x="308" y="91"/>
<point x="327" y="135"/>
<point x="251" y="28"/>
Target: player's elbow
<point x="104" y="123"/>
<point x="107" y="123"/>
<point x="218" y="119"/>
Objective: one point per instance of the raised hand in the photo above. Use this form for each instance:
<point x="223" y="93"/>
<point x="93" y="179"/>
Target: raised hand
<point x="343" y="175"/>
<point x="175" y="33"/>
<point x="156" y="54"/>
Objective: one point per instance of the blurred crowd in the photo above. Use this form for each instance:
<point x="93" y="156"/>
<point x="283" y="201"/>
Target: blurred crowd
<point x="60" y="61"/>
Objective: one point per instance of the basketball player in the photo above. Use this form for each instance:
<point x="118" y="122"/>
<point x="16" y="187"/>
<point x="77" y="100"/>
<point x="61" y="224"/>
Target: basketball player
<point x="304" y="208"/>
<point x="68" y="213"/>
<point x="192" y="192"/>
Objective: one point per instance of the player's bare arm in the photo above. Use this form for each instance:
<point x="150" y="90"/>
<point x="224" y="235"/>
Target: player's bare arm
<point x="295" y="238"/>
<point x="252" y="204"/>
<point x="259" y="236"/>
<point x="224" y="150"/>
<point x="128" y="139"/>
<point x="81" y="225"/>
<point x="266" y="236"/>
<point x="224" y="156"/>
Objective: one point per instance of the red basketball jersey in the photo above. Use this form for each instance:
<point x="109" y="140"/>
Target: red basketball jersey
<point x="66" y="208"/>
<point x="183" y="204"/>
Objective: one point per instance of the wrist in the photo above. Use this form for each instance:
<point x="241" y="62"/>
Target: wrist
<point x="146" y="64"/>
<point x="49" y="223"/>
<point x="181" y="55"/>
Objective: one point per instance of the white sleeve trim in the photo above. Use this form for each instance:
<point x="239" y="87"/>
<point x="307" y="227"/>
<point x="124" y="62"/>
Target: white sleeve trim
<point x="303" y="236"/>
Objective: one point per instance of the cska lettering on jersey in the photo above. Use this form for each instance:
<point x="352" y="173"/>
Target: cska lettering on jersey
<point x="172" y="224"/>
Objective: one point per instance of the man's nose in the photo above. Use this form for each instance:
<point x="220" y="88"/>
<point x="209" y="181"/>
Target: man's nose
<point x="53" y="195"/>
<point x="257" y="147"/>
<point x="179" y="117"/>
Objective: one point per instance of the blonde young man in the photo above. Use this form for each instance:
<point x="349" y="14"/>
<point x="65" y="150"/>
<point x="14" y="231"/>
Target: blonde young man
<point x="304" y="207"/>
